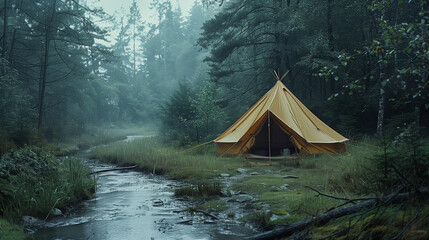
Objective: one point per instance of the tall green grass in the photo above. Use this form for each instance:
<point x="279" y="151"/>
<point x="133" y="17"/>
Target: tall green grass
<point x="33" y="183"/>
<point x="156" y="158"/>
<point x="10" y="231"/>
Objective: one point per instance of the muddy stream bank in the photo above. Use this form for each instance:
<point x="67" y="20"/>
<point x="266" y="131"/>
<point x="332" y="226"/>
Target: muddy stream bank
<point x="134" y="205"/>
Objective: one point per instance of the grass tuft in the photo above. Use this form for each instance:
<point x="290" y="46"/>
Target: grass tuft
<point x="151" y="156"/>
<point x="201" y="190"/>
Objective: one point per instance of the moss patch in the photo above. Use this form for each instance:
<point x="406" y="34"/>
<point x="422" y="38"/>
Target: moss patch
<point x="10" y="231"/>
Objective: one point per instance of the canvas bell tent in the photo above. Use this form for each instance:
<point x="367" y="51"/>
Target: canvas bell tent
<point x="276" y="124"/>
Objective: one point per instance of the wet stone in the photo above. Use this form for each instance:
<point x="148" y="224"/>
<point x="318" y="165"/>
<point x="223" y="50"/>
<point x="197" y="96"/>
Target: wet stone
<point x="241" y="170"/>
<point x="244" y="198"/>
<point x="225" y="193"/>
<point x="158" y="203"/>
<point x="284" y="187"/>
<point x="31" y="220"/>
<point x="225" y="175"/>
<point x="209" y="222"/>
<point x="274" y="189"/>
<point x="289" y="176"/>
<point x="186" y="222"/>
<point x="274" y="217"/>
<point x="56" y="212"/>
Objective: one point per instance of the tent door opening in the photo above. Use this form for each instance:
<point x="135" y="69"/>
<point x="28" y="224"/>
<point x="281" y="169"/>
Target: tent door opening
<point x="275" y="137"/>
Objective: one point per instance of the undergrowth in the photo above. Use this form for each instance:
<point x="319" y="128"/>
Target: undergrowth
<point x="151" y="156"/>
<point x="33" y="182"/>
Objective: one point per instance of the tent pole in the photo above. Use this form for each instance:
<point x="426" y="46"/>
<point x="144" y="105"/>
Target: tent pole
<point x="269" y="137"/>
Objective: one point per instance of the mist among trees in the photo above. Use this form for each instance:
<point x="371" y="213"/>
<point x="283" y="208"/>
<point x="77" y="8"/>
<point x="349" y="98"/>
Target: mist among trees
<point x="360" y="66"/>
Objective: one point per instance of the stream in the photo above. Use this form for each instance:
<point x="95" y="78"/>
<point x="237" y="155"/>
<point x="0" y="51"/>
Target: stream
<point x="135" y="205"/>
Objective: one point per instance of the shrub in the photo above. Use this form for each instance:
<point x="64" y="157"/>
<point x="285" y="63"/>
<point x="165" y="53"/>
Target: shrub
<point x="6" y="146"/>
<point x="33" y="182"/>
<point x="403" y="165"/>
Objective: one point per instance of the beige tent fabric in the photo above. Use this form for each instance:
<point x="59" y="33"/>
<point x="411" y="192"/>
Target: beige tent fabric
<point x="307" y="132"/>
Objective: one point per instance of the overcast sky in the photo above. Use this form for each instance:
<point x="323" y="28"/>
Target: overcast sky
<point x="121" y="7"/>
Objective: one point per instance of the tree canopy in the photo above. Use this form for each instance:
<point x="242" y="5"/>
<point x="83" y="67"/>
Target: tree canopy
<point x="361" y="66"/>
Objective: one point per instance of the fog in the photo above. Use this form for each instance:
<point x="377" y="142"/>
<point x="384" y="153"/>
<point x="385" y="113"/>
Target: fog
<point x="340" y="100"/>
<point x="191" y="68"/>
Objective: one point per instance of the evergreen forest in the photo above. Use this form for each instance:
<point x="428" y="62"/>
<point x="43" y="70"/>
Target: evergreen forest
<point x="70" y="69"/>
<point x="360" y="66"/>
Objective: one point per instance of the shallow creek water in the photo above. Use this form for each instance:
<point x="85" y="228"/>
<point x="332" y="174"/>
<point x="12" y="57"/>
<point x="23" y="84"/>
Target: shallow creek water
<point x="133" y="205"/>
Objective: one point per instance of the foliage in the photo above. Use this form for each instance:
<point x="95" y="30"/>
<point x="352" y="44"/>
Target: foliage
<point x="177" y="116"/>
<point x="15" y="103"/>
<point x="34" y="182"/>
<point x="9" y="231"/>
<point x="394" y="60"/>
<point x="31" y="162"/>
<point x="208" y="115"/>
<point x="403" y="166"/>
<point x="188" y="117"/>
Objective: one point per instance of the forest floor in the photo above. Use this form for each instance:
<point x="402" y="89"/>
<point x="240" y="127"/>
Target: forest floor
<point x="265" y="194"/>
<point x="271" y="194"/>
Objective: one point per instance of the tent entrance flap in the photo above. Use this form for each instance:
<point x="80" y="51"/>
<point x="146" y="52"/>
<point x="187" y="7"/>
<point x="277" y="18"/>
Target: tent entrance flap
<point x="273" y="137"/>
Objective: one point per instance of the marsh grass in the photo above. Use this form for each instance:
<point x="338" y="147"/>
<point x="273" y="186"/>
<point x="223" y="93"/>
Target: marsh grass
<point x="201" y="190"/>
<point x="153" y="157"/>
<point x="34" y="183"/>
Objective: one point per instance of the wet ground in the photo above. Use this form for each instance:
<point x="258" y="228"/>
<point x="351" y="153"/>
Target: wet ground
<point x="133" y="205"/>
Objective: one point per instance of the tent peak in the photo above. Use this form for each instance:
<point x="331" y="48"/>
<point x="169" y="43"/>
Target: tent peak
<point x="277" y="75"/>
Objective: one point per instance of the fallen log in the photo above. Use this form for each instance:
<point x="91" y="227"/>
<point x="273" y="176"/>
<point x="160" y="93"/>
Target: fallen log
<point x="325" y="217"/>
<point x="113" y="169"/>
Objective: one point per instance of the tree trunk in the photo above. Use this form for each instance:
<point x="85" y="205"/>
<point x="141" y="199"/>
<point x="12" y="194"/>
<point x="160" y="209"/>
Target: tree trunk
<point x="381" y="100"/>
<point x="277" y="38"/>
<point x="417" y="117"/>
<point x="44" y="67"/>
<point x="12" y="44"/>
<point x="330" y="42"/>
<point x="380" y="119"/>
<point x="329" y="23"/>
<point x="134" y="50"/>
<point x="3" y="52"/>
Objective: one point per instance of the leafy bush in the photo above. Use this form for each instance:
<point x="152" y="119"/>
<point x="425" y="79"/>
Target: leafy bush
<point x="5" y="146"/>
<point x="33" y="182"/>
<point x="31" y="162"/>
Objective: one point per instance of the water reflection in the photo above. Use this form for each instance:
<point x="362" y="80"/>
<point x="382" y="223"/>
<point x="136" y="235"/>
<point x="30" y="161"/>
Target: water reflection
<point x="132" y="205"/>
